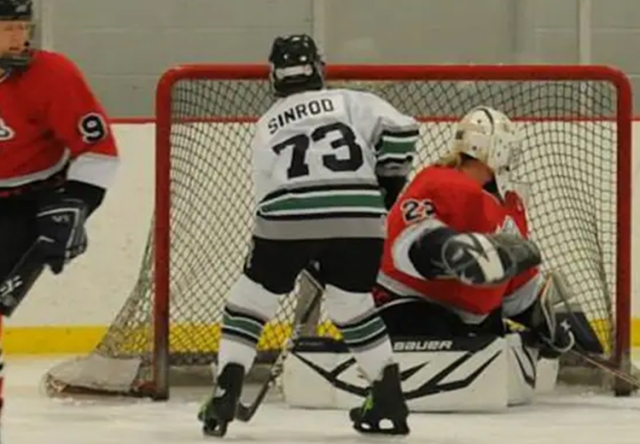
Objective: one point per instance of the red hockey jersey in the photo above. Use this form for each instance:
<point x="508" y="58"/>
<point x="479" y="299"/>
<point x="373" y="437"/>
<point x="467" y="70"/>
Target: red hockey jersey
<point x="49" y="119"/>
<point x="449" y="196"/>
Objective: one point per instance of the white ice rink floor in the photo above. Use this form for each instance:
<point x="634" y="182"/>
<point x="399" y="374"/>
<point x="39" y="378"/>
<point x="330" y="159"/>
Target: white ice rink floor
<point x="32" y="418"/>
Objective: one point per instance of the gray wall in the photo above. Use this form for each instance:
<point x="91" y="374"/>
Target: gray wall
<point x="124" y="45"/>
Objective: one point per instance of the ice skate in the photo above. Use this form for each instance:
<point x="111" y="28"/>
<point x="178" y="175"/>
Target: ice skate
<point x="384" y="402"/>
<point x="220" y="409"/>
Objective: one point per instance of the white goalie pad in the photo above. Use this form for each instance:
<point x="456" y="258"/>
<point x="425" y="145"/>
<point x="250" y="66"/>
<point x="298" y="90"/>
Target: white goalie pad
<point x="463" y="374"/>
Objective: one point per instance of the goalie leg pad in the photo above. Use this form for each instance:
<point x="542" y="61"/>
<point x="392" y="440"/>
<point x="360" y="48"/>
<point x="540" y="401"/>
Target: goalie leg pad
<point x="439" y="375"/>
<point x="529" y="374"/>
<point x="477" y="374"/>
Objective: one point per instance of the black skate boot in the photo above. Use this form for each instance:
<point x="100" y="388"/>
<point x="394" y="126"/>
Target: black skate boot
<point x="384" y="402"/>
<point x="220" y="408"/>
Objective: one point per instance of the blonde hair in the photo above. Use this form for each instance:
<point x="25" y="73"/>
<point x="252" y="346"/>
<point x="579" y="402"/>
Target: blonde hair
<point x="453" y="159"/>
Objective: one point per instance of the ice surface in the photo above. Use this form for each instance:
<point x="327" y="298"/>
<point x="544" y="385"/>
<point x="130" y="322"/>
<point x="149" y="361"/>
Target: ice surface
<point x="32" y="418"/>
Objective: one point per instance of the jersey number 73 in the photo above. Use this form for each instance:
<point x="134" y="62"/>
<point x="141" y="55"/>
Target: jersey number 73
<point x="300" y="143"/>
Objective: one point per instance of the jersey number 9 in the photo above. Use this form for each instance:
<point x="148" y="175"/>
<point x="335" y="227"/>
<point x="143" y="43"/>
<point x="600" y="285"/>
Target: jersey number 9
<point x="93" y="128"/>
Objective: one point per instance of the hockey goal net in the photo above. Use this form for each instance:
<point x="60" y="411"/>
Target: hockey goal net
<point x="577" y="127"/>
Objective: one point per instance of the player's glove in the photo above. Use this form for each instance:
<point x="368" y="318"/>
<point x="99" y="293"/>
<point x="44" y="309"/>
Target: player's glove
<point x="391" y="188"/>
<point x="60" y="227"/>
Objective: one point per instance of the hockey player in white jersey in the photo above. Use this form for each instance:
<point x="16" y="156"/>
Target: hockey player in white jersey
<point x="327" y="163"/>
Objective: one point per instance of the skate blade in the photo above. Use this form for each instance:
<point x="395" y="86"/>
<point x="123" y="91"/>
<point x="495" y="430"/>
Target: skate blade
<point x="398" y="429"/>
<point x="218" y="431"/>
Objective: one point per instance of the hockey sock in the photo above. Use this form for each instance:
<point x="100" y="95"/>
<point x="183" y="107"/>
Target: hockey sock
<point x="363" y="331"/>
<point x="248" y="308"/>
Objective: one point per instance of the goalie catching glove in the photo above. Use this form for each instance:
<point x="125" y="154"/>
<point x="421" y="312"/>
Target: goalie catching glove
<point x="488" y="259"/>
<point x="60" y="227"/>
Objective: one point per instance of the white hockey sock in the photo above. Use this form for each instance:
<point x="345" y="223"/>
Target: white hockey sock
<point x="248" y="308"/>
<point x="362" y="329"/>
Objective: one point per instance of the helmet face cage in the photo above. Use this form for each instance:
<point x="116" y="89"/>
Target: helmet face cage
<point x="296" y="65"/>
<point x="17" y="10"/>
<point x="508" y="156"/>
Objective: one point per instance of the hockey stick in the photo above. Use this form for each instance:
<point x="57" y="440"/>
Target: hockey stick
<point x="20" y="279"/>
<point x="598" y="362"/>
<point x="244" y="412"/>
<point x="607" y="367"/>
<point x="581" y="348"/>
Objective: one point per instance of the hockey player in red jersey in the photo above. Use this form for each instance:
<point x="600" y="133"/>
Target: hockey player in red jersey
<point x="457" y="259"/>
<point x="57" y="156"/>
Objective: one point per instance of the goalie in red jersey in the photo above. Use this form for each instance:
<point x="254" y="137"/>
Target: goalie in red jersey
<point x="457" y="261"/>
<point x="57" y="157"/>
<point x="457" y="265"/>
<point x="472" y="320"/>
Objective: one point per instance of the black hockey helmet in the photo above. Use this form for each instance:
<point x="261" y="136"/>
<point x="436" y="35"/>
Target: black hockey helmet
<point x="16" y="10"/>
<point x="296" y="65"/>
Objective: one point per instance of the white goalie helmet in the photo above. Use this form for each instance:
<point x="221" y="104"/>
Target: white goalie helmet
<point x="491" y="137"/>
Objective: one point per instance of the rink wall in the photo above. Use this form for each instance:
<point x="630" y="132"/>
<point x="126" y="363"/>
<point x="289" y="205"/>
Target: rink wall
<point x="71" y="312"/>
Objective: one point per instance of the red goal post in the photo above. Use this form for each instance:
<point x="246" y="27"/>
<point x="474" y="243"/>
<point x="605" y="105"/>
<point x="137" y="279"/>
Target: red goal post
<point x="577" y="120"/>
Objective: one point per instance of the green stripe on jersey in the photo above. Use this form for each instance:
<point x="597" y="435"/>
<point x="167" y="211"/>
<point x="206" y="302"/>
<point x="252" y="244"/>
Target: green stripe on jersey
<point x="396" y="148"/>
<point x="326" y="202"/>
<point x="389" y="147"/>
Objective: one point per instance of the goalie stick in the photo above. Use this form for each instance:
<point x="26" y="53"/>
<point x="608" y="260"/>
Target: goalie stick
<point x="607" y="367"/>
<point x="582" y="350"/>
<point x="244" y="412"/>
<point x="596" y="361"/>
<point x="18" y="282"/>
<point x="586" y="344"/>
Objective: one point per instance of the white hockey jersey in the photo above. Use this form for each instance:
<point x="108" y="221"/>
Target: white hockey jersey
<point x="316" y="158"/>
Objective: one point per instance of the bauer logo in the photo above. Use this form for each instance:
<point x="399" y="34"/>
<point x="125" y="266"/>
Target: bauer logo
<point x="426" y="345"/>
